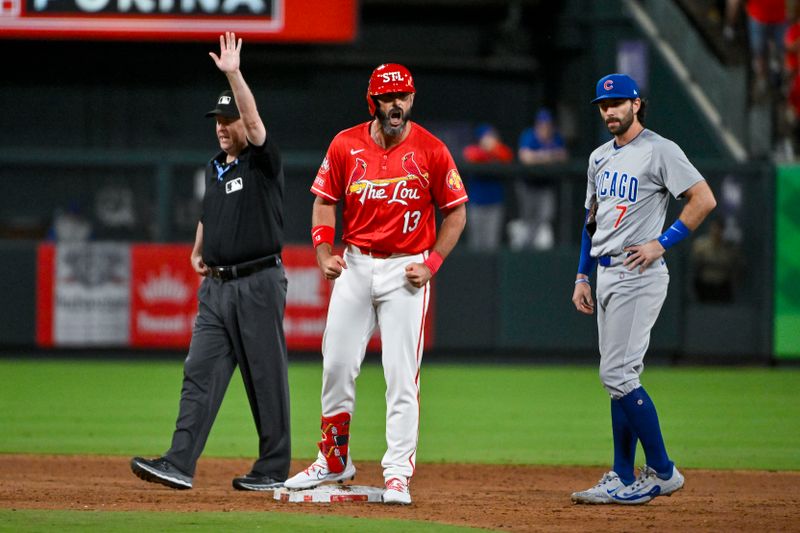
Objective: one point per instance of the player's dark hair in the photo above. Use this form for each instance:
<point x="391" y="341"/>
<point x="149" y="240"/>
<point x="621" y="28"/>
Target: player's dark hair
<point x="642" y="111"/>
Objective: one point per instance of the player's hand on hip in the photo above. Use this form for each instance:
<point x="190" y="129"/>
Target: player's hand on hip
<point x="229" y="49"/>
<point x="643" y="255"/>
<point x="332" y="266"/>
<point x="582" y="298"/>
<point x="199" y="266"/>
<point x="418" y="274"/>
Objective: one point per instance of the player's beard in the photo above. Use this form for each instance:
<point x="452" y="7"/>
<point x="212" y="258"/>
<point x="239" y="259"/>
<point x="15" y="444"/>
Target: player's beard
<point x="386" y="122"/>
<point x="624" y="124"/>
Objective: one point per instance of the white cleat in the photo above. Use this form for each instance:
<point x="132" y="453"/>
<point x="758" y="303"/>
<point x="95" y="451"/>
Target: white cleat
<point x="648" y="485"/>
<point x="396" y="491"/>
<point x="318" y="473"/>
<point x="603" y="492"/>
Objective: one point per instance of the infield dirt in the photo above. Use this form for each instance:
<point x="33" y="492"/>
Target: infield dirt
<point x="500" y="497"/>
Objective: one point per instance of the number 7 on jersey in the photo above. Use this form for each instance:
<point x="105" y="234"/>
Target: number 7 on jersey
<point x="622" y="209"/>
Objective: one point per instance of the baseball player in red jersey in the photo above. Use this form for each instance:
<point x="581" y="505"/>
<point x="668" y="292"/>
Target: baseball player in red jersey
<point x="389" y="174"/>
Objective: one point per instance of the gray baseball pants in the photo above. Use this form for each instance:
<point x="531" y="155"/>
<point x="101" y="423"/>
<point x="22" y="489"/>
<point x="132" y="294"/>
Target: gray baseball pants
<point x="239" y="322"/>
<point x="628" y="304"/>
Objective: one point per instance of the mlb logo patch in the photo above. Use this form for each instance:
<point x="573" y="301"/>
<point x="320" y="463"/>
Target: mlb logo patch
<point x="234" y="185"/>
<point x="224" y="100"/>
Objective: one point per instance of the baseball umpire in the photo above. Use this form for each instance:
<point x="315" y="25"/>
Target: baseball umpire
<point x="242" y="298"/>
<point x="390" y="174"/>
<point x="629" y="181"/>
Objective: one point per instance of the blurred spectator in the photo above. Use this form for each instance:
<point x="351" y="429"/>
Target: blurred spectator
<point x="791" y="46"/>
<point x="730" y="208"/>
<point x="70" y="225"/>
<point x="792" y="70"/>
<point x="732" y="8"/>
<point x="793" y="112"/>
<point x="486" y="193"/>
<point x="538" y="145"/>
<point x="716" y="264"/>
<point x="766" y="25"/>
<point x="542" y="143"/>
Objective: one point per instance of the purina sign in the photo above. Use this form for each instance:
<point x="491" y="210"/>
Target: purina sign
<point x="255" y="20"/>
<point x="255" y="8"/>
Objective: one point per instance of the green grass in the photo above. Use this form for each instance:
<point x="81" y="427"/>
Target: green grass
<point x="25" y="521"/>
<point x="712" y="417"/>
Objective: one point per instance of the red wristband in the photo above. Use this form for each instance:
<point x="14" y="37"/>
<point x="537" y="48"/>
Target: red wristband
<point x="321" y="234"/>
<point x="433" y="262"/>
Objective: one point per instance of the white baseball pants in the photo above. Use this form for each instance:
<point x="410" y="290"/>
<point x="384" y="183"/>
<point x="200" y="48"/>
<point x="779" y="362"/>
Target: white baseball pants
<point x="374" y="292"/>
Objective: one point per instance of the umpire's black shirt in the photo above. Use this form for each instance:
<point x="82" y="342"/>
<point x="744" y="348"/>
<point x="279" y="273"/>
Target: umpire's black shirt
<point x="243" y="206"/>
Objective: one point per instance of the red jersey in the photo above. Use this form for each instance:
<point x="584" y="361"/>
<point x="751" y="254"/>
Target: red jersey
<point x="790" y="40"/>
<point x="794" y="96"/>
<point x="767" y="11"/>
<point x="389" y="195"/>
<point x="501" y="153"/>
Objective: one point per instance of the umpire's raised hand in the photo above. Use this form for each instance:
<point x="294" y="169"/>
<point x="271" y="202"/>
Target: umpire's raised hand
<point x="228" y="61"/>
<point x="229" y="52"/>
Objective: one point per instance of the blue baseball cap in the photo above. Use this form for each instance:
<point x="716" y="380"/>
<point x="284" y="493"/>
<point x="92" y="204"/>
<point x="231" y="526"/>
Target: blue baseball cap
<point x="616" y="86"/>
<point x="482" y="130"/>
<point x="544" y="115"/>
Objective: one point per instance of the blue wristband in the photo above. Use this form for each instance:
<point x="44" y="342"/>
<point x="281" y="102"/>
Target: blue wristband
<point x="674" y="234"/>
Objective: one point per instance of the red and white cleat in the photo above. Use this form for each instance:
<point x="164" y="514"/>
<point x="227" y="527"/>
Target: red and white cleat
<point x="397" y="491"/>
<point x="318" y="473"/>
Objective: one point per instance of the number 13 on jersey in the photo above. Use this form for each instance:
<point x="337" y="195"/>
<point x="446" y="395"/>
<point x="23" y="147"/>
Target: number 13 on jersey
<point x="411" y="221"/>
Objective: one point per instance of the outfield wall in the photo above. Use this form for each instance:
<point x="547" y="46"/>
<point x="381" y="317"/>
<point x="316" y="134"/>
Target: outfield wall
<point x="493" y="303"/>
<point x="787" y="264"/>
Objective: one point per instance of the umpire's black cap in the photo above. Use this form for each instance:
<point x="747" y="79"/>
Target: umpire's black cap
<point x="226" y="106"/>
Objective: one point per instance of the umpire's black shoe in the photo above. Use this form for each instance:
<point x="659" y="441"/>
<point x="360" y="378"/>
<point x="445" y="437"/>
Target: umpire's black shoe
<point x="160" y="471"/>
<point x="253" y="481"/>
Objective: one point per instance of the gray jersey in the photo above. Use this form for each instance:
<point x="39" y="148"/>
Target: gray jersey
<point x="631" y="185"/>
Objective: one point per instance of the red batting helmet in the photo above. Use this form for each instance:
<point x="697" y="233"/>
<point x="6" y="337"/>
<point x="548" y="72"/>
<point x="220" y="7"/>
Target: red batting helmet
<point x="388" y="78"/>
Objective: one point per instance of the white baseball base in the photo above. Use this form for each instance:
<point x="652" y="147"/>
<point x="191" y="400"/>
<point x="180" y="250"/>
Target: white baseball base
<point x="330" y="494"/>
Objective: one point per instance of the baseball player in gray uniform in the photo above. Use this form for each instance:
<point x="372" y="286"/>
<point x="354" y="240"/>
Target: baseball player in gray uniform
<point x="629" y="182"/>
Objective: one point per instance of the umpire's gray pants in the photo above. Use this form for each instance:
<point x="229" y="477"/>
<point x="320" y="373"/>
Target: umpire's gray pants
<point x="238" y="322"/>
<point x="628" y="304"/>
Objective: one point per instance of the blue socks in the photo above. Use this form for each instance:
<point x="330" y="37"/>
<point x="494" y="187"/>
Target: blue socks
<point x="624" y="443"/>
<point x="643" y="420"/>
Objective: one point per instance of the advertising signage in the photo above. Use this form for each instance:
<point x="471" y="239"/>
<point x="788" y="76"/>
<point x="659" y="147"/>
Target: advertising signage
<point x="158" y="20"/>
<point x="143" y="295"/>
